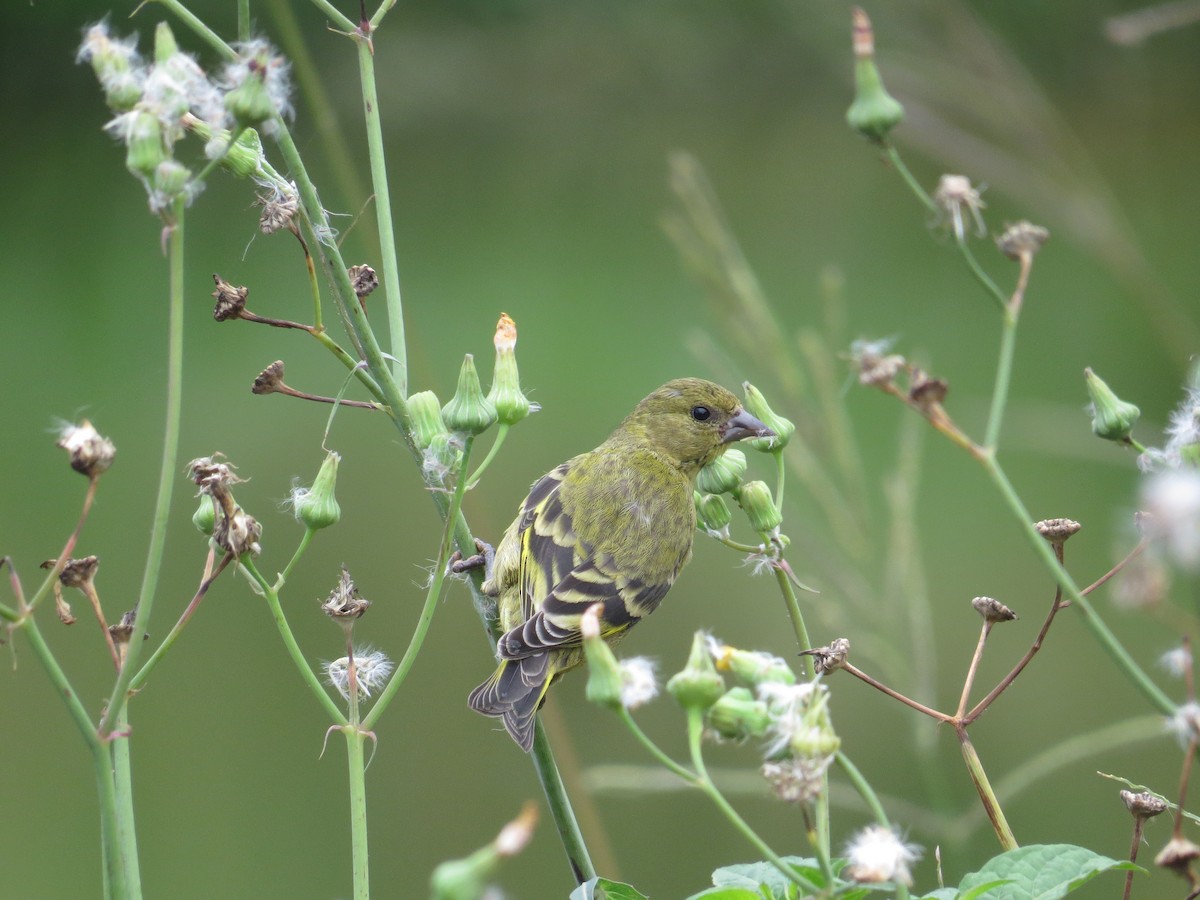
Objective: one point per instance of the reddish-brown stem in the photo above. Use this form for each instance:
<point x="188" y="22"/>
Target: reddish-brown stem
<point x="89" y="591"/>
<point x="1138" y="822"/>
<point x="1103" y="579"/>
<point x="896" y="695"/>
<point x="248" y="316"/>
<point x="65" y="556"/>
<point x="282" y="388"/>
<point x="973" y="668"/>
<point x="1018" y="297"/>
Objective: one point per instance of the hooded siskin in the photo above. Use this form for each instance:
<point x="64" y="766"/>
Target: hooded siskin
<point x="613" y="526"/>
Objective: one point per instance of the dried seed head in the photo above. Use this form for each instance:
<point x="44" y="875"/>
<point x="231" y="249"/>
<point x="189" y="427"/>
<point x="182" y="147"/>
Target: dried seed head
<point x="123" y="630"/>
<point x="830" y="658"/>
<point x="212" y="477"/>
<point x="959" y="205"/>
<point x="1143" y="805"/>
<point x="345" y="603"/>
<point x="1056" y="531"/>
<point x="1022" y="240"/>
<point x="875" y="365"/>
<point x="77" y="572"/>
<point x="231" y="299"/>
<point x="363" y="279"/>
<point x="1178" y="855"/>
<point x="238" y="533"/>
<point x="278" y="208"/>
<point x="796" y="780"/>
<point x="269" y="380"/>
<point x="925" y="390"/>
<point x="91" y="453"/>
<point x="992" y="610"/>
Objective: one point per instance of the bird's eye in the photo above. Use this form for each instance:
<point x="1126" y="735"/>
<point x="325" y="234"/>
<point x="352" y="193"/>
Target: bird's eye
<point x="701" y="413"/>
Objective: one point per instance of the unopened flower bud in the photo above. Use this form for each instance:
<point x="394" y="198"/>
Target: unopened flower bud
<point x="737" y="716"/>
<point x="317" y="507"/>
<point x="874" y="111"/>
<point x="144" y="146"/>
<point x="506" y="395"/>
<point x="756" y="405"/>
<point x="697" y="686"/>
<point x="164" y="43"/>
<point x="171" y="178"/>
<point x="755" y="498"/>
<point x="1112" y="418"/>
<point x="117" y="66"/>
<point x="604" y="672"/>
<point x="249" y="101"/>
<point x="723" y="474"/>
<point x="425" y="412"/>
<point x="205" y="516"/>
<point x="712" y="512"/>
<point x="752" y="667"/>
<point x="469" y="411"/>
<point x="90" y="452"/>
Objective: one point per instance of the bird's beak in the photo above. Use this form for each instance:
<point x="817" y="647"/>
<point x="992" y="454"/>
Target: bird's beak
<point x="743" y="425"/>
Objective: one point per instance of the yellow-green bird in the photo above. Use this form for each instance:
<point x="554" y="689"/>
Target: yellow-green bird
<point x="612" y="526"/>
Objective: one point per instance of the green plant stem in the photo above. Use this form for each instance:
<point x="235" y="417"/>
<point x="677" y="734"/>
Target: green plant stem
<point x="355" y="738"/>
<point x="193" y="22"/>
<point x="780" y="475"/>
<point x="1008" y="344"/>
<point x="383" y="214"/>
<point x="984" y="787"/>
<point x="335" y="15"/>
<point x="243" y="20"/>
<point x="797" y="617"/>
<point x="1095" y="624"/>
<point x="300" y="548"/>
<point x="560" y="806"/>
<point x="501" y="434"/>
<point x="432" y="595"/>
<point x="695" y="723"/>
<point x="123" y="789"/>
<point x="289" y="641"/>
<point x="981" y="276"/>
<point x="116" y="882"/>
<point x="167" y="471"/>
<point x="893" y="157"/>
<point x="644" y="739"/>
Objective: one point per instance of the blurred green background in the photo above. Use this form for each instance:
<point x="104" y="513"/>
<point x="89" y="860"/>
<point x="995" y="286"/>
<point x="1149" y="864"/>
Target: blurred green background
<point x="528" y="142"/>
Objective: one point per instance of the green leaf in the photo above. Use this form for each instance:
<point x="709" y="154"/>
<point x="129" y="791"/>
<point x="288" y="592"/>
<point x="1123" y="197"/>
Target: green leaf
<point x="950" y="893"/>
<point x="1038" y="872"/>
<point x="611" y="890"/>
<point x="766" y="880"/>
<point x="727" y="893"/>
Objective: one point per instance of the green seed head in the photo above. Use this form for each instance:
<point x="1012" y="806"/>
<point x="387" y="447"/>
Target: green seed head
<point x="469" y="411"/>
<point x="1112" y="418"/>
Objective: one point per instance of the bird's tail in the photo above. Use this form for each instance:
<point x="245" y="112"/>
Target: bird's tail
<point x="513" y="693"/>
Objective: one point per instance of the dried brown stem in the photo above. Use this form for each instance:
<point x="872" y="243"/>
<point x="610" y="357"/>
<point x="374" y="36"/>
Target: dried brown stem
<point x="1134" y="846"/>
<point x="973" y="668"/>
<point x="896" y="695"/>
<point x="89" y="591"/>
<point x="65" y="556"/>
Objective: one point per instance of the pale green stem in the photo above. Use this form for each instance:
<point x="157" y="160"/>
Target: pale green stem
<point x="335" y="15"/>
<point x="501" y="434"/>
<point x="355" y="738"/>
<point x="432" y="594"/>
<point x="913" y="185"/>
<point x="289" y="641"/>
<point x="644" y="739"/>
<point x="1095" y="624"/>
<point x="123" y="785"/>
<point x="168" y="471"/>
<point x="820" y="841"/>
<point x="1008" y="344"/>
<point x="797" y="617"/>
<point x="303" y="545"/>
<point x="190" y="19"/>
<point x="560" y="806"/>
<point x="780" y="473"/>
<point x="984" y="787"/>
<point x="695" y="723"/>
<point x="243" y="20"/>
<point x="383" y="215"/>
<point x="981" y="276"/>
<point x="358" y="812"/>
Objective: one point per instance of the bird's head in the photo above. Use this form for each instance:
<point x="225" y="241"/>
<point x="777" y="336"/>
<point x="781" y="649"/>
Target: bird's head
<point x="691" y="421"/>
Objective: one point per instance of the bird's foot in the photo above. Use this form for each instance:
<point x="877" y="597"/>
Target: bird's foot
<point x="484" y="558"/>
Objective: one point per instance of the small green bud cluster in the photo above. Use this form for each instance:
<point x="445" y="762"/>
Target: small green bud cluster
<point x="874" y="112"/>
<point x="758" y="504"/>
<point x="157" y="102"/>
<point x="1112" y="418"/>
